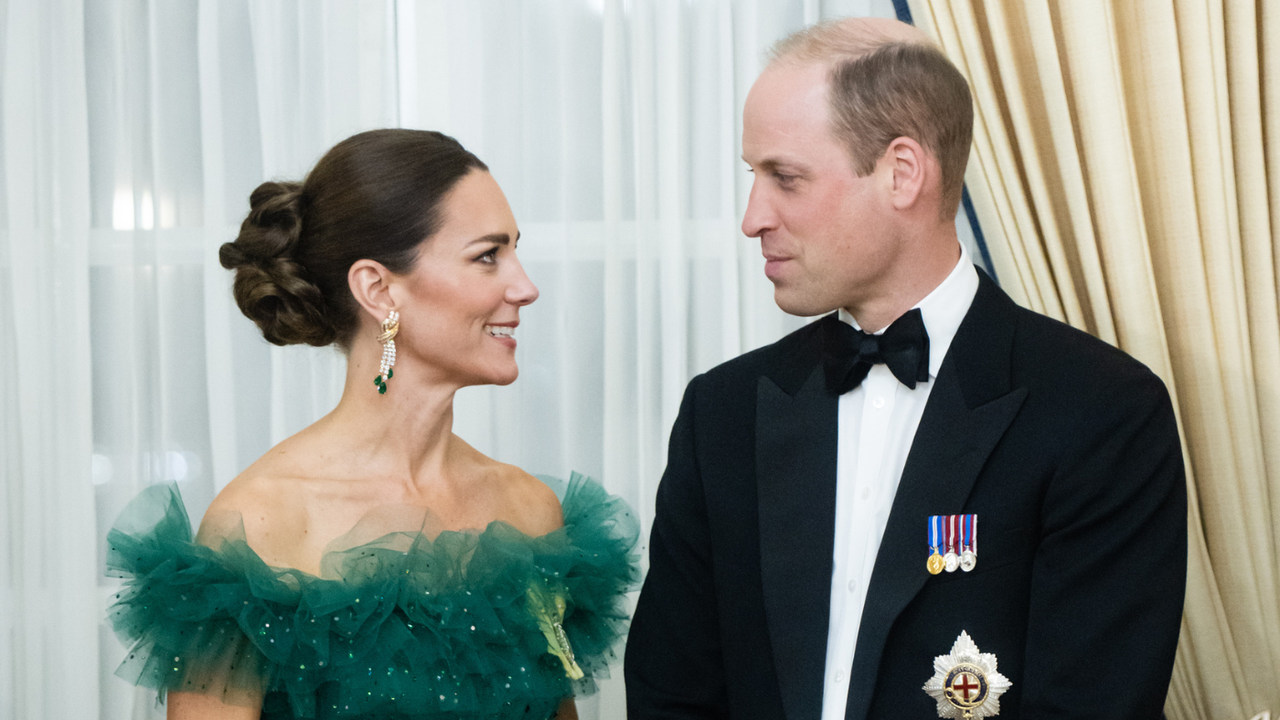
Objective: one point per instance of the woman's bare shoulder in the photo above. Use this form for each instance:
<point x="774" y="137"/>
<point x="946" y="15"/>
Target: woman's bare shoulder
<point x="539" y="507"/>
<point x="522" y="500"/>
<point x="265" y="503"/>
<point x="256" y="496"/>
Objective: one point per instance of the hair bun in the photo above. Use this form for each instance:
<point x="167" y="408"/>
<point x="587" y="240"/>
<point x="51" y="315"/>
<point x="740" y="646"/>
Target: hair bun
<point x="274" y="223"/>
<point x="271" y="287"/>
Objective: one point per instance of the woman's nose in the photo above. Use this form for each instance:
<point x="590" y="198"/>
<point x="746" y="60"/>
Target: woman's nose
<point x="521" y="291"/>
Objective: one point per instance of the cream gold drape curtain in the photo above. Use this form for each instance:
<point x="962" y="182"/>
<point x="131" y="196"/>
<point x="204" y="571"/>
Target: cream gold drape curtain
<point x="1122" y="178"/>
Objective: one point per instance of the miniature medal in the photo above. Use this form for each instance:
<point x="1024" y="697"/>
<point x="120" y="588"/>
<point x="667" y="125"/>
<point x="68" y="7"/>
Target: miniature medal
<point x="935" y="563"/>
<point x="965" y="683"/>
<point x="968" y="542"/>
<point x="952" y="558"/>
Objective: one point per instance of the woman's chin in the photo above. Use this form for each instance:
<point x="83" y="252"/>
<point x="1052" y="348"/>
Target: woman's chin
<point x="508" y="378"/>
<point x="499" y="376"/>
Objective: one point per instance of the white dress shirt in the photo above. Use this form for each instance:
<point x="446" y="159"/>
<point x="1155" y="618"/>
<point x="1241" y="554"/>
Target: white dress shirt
<point x="877" y="424"/>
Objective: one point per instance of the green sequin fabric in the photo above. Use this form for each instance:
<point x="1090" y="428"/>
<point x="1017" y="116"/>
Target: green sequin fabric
<point x="406" y="627"/>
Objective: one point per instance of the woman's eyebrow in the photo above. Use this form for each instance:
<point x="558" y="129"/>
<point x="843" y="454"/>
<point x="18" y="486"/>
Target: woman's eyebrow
<point x="500" y="238"/>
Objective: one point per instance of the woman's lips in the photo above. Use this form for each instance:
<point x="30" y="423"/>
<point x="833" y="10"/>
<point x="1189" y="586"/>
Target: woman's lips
<point x="502" y="333"/>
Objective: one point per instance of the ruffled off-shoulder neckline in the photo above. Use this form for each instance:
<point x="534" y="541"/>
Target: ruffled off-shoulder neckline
<point x="407" y="624"/>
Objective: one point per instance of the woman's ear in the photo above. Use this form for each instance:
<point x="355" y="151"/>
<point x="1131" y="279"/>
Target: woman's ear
<point x="370" y="283"/>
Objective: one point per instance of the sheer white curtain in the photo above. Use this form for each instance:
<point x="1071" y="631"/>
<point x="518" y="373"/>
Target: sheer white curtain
<point x="131" y="134"/>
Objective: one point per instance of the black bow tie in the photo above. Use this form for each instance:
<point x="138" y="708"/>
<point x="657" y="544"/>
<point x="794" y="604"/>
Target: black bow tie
<point x="848" y="354"/>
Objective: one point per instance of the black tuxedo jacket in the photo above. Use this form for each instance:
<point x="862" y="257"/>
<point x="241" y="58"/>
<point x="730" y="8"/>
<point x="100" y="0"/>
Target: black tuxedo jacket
<point x="1065" y="448"/>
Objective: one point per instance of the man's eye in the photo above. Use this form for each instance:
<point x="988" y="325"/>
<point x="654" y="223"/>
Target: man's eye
<point x="784" y="179"/>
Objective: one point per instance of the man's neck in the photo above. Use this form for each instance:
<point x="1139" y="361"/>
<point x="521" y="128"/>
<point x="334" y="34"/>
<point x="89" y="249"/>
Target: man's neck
<point x="919" y="278"/>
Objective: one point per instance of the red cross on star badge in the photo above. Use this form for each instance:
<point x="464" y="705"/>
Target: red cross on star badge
<point x="965" y="683"/>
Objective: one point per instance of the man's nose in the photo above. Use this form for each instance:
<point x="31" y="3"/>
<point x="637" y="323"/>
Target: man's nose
<point x="759" y="216"/>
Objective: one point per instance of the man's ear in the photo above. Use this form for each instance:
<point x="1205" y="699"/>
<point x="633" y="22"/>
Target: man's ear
<point x="370" y="283"/>
<point x="911" y="167"/>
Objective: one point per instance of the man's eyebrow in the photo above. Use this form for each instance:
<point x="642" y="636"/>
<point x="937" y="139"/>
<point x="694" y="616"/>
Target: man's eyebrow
<point x="769" y="165"/>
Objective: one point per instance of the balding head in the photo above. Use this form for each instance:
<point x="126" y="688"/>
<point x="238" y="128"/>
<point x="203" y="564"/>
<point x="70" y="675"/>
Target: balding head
<point x="886" y="79"/>
<point x="846" y="39"/>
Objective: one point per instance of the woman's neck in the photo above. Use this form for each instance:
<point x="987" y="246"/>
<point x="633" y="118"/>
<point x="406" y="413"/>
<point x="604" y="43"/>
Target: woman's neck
<point x="406" y="433"/>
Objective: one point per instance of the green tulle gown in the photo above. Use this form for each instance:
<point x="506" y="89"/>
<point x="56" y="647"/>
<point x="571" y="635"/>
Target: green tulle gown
<point x="410" y="625"/>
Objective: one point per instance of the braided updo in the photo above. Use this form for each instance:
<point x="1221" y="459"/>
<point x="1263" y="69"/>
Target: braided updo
<point x="374" y="196"/>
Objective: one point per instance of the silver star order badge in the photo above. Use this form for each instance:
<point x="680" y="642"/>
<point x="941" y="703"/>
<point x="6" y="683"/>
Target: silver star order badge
<point x="965" y="683"/>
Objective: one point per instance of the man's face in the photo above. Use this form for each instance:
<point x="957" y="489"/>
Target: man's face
<point x="823" y="230"/>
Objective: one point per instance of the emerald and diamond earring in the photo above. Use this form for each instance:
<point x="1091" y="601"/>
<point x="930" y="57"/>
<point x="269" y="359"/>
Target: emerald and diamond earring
<point x="390" y="327"/>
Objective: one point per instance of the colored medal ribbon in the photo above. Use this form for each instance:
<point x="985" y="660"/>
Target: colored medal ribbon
<point x="969" y="543"/>
<point x="952" y="558"/>
<point x="953" y="543"/>
<point x="935" y="563"/>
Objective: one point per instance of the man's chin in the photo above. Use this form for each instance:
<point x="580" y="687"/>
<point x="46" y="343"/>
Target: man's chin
<point x="793" y="303"/>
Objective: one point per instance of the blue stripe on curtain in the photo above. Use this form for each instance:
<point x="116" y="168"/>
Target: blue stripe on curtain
<point x="903" y="10"/>
<point x="967" y="203"/>
<point x="904" y="14"/>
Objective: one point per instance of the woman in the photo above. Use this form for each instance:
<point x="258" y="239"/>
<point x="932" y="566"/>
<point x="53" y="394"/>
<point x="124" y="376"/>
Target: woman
<point x="374" y="564"/>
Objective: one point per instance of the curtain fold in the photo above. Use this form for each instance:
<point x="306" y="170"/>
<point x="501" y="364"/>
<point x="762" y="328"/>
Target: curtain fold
<point x="48" y="599"/>
<point x="1135" y="143"/>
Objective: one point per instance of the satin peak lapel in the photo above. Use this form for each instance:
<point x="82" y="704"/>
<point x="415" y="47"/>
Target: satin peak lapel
<point x="796" y="483"/>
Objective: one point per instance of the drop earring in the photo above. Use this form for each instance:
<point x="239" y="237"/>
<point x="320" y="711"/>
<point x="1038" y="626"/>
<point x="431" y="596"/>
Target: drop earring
<point x="387" y="337"/>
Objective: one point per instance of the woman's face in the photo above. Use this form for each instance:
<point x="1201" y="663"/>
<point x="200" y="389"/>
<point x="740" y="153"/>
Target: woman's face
<point x="465" y="292"/>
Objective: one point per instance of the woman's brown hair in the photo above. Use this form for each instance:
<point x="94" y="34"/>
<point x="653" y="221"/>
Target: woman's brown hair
<point x="375" y="195"/>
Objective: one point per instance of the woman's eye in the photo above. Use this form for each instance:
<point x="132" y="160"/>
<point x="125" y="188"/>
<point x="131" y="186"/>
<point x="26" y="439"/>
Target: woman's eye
<point x="489" y="257"/>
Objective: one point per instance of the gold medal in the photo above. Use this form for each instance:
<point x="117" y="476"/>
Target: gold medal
<point x="935" y="564"/>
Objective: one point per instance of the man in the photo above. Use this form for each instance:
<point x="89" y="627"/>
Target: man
<point x="814" y="552"/>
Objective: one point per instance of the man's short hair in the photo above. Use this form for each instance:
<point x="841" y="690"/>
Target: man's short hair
<point x="884" y="88"/>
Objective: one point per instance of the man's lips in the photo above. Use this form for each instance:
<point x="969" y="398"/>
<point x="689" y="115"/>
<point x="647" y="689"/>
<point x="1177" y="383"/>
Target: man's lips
<point x="773" y="264"/>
